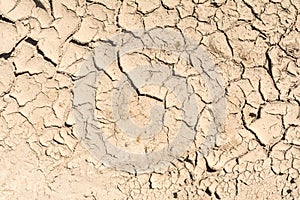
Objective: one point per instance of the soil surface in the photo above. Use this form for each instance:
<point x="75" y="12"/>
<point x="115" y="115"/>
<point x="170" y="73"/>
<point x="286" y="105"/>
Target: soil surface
<point x="255" y="48"/>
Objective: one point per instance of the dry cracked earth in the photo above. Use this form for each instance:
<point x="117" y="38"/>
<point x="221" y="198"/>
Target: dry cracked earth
<point x="255" y="46"/>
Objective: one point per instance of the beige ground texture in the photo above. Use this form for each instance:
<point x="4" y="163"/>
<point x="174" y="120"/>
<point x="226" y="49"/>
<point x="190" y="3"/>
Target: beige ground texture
<point x="255" y="45"/>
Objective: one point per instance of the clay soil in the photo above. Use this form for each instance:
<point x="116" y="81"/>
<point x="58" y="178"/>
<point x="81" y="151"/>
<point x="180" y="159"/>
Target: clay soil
<point x="255" y="46"/>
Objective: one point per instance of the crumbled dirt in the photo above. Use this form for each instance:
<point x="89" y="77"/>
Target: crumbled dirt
<point x="255" y="46"/>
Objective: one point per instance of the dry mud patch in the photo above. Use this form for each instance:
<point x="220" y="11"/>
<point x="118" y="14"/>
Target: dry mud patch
<point x="255" y="47"/>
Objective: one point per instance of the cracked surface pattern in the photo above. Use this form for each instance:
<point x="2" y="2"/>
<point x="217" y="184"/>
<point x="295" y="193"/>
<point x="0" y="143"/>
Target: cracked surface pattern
<point x="255" y="46"/>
